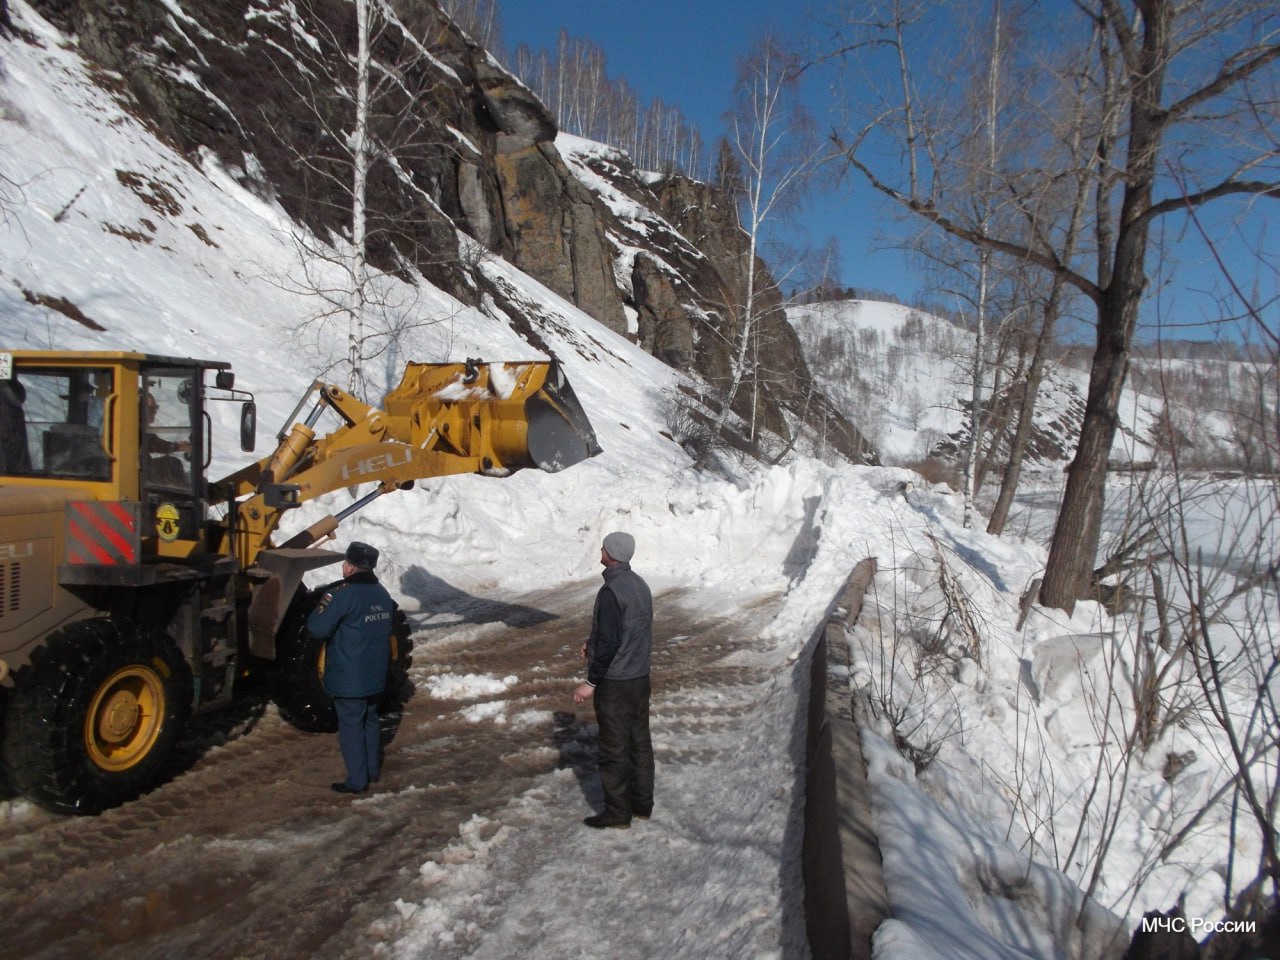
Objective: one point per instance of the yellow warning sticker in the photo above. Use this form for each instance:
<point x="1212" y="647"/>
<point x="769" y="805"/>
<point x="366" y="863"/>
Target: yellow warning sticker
<point x="167" y="522"/>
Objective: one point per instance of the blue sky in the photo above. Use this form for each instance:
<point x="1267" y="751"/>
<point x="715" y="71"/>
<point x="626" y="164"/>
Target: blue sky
<point x="686" y="53"/>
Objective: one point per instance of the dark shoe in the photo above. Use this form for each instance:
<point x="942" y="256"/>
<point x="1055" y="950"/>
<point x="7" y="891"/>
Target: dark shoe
<point x="637" y="815"/>
<point x="342" y="787"/>
<point x="602" y="822"/>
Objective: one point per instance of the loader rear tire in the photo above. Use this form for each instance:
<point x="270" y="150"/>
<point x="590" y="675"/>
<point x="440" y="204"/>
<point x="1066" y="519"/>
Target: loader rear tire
<point x="94" y="716"/>
<point x="298" y="690"/>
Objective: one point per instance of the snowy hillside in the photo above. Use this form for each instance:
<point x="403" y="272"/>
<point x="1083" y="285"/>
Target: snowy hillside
<point x="903" y="376"/>
<point x="110" y="240"/>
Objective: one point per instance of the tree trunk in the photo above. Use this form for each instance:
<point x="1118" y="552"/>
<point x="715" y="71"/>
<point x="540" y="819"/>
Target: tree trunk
<point x="1068" y="572"/>
<point x="1079" y="528"/>
<point x="359" y="186"/>
<point x="976" y="418"/>
<point x="1031" y="393"/>
<point x="1022" y="431"/>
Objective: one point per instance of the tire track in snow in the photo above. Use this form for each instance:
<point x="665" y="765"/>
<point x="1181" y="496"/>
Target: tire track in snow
<point x="245" y="851"/>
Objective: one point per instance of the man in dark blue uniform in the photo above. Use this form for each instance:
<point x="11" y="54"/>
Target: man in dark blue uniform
<point x="356" y="617"/>
<point x="617" y="655"/>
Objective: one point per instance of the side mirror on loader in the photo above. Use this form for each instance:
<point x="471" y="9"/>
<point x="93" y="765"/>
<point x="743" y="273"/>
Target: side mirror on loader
<point x="248" y="426"/>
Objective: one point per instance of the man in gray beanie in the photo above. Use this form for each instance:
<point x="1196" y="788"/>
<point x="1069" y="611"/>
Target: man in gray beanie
<point x="617" y="655"/>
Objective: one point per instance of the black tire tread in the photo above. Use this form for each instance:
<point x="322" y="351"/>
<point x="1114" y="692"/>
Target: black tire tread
<point x="298" y="692"/>
<point x="41" y="746"/>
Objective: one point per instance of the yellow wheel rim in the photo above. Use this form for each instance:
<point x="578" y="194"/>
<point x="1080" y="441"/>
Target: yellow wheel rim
<point x="125" y="718"/>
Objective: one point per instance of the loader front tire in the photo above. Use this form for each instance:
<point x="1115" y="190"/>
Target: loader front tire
<point x="399" y="688"/>
<point x="298" y="690"/>
<point x="297" y="683"/>
<point x="94" y="716"/>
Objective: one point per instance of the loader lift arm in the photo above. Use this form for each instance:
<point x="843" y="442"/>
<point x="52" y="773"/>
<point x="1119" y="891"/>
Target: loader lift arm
<point x="443" y="419"/>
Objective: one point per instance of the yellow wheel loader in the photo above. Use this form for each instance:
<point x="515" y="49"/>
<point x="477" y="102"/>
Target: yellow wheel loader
<point x="135" y="592"/>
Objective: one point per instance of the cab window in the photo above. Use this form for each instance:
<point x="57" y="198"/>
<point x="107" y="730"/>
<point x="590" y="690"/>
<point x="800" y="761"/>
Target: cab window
<point x="52" y="424"/>
<point x="167" y="429"/>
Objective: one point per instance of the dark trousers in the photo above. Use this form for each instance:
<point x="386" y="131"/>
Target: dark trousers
<point x="625" y="748"/>
<point x="359" y="738"/>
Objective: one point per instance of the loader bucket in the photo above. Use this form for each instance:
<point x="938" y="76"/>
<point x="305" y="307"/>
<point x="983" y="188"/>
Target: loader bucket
<point x="276" y="577"/>
<point x="560" y="434"/>
<point x="505" y="415"/>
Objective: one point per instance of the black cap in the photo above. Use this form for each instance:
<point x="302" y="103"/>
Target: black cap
<point x="362" y="555"/>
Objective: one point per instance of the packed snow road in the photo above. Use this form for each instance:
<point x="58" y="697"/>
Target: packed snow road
<point x="245" y="852"/>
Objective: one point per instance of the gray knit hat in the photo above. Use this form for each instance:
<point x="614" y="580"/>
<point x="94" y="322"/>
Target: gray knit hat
<point x="620" y="546"/>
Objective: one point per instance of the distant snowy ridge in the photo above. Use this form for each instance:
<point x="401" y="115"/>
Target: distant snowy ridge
<point x="904" y="377"/>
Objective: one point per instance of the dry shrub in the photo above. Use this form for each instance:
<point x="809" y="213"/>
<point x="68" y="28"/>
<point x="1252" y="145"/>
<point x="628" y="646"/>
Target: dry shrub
<point x="937" y="471"/>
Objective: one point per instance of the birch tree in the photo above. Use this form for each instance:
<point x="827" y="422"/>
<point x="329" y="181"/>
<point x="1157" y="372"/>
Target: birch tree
<point x="587" y="102"/>
<point x="773" y="155"/>
<point x="986" y="204"/>
<point x="363" y="108"/>
<point x="479" y="18"/>
<point x="359" y="194"/>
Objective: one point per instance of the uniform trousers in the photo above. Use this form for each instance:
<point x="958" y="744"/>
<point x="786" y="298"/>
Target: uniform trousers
<point x="359" y="738"/>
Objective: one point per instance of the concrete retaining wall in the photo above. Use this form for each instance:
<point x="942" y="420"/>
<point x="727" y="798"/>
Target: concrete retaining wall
<point x="844" y="897"/>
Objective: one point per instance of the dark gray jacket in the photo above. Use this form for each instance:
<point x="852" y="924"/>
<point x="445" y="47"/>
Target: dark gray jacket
<point x="621" y="627"/>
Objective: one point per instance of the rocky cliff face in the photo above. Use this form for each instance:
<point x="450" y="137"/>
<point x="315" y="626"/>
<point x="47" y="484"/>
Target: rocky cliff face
<point x="463" y="146"/>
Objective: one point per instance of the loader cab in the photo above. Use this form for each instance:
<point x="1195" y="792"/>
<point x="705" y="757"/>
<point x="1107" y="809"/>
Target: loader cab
<point x="114" y="426"/>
